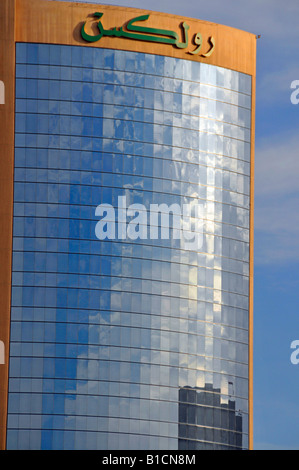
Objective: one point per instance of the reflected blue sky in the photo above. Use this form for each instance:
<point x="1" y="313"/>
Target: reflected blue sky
<point x="162" y="323"/>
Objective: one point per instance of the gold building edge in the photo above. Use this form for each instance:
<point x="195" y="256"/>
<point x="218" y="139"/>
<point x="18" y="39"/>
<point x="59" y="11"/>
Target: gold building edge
<point x="7" y="73"/>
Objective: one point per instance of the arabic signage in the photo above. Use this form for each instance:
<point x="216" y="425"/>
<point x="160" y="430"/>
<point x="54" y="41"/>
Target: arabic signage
<point x="143" y="33"/>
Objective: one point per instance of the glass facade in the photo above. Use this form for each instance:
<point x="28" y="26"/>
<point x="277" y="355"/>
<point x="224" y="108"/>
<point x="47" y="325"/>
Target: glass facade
<point x="128" y="344"/>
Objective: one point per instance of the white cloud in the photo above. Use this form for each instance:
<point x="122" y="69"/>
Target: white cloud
<point x="266" y="17"/>
<point x="276" y="216"/>
<point x="277" y="201"/>
<point x="275" y="87"/>
<point x="277" y="166"/>
<point x="277" y="231"/>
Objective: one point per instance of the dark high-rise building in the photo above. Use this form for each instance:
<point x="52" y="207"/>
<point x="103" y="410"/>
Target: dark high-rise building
<point x="207" y="420"/>
<point x="126" y="248"/>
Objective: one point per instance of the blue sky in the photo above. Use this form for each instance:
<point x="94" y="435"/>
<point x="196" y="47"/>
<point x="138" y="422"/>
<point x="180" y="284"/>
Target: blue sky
<point x="276" y="309"/>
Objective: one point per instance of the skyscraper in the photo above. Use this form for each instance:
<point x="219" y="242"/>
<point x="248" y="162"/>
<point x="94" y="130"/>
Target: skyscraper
<point x="118" y="331"/>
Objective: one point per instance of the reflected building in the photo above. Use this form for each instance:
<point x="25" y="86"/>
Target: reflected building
<point x="124" y="343"/>
<point x="209" y="420"/>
